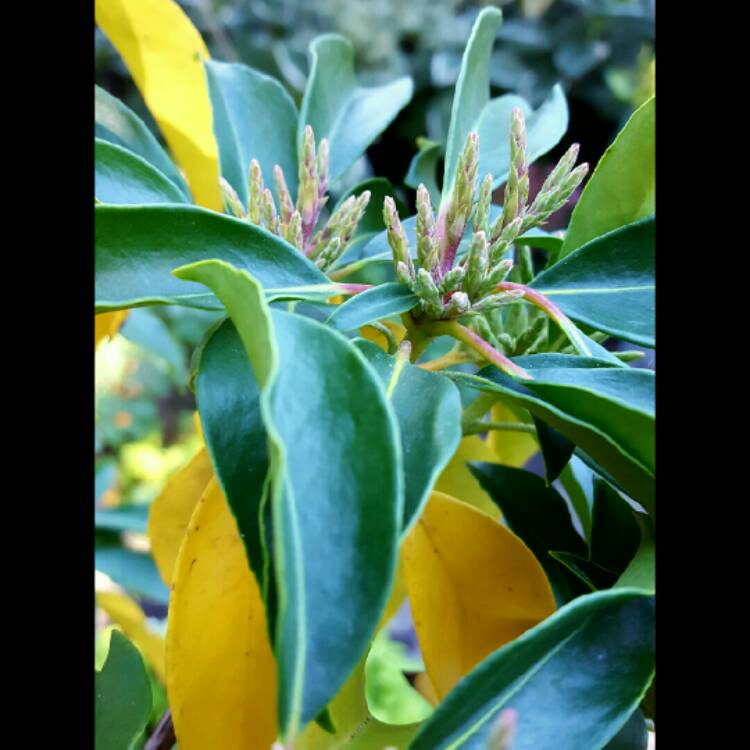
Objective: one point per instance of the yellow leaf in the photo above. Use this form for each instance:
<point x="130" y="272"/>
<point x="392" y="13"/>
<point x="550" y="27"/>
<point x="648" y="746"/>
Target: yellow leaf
<point x="372" y="334"/>
<point x="510" y="448"/>
<point x="473" y="586"/>
<point x="162" y="50"/>
<point x="456" y="479"/>
<point x="221" y="674"/>
<point x="424" y="688"/>
<point x="198" y="426"/>
<point x="126" y="613"/>
<point x="170" y="513"/>
<point x="107" y="325"/>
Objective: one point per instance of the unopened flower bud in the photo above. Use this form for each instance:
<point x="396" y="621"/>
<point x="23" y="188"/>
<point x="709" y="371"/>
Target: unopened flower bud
<point x="231" y="199"/>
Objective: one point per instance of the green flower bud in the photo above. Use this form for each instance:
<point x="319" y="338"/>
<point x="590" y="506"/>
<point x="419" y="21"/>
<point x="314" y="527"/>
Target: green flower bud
<point x="231" y="199"/>
<point x="285" y="199"/>
<point x="483" y="206"/>
<point x="255" y="193"/>
<point x="452" y="280"/>
<point x="458" y="304"/>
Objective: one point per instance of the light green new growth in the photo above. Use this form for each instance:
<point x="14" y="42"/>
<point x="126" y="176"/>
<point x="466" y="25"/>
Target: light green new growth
<point x="295" y="222"/>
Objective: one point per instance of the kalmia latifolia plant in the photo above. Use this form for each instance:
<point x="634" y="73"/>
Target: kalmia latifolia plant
<point x="378" y="379"/>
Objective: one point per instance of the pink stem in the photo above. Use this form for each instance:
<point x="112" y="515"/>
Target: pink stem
<point x="479" y="345"/>
<point x="353" y="289"/>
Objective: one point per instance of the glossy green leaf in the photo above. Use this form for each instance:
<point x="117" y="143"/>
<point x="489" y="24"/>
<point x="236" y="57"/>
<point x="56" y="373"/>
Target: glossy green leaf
<point x="350" y="116"/>
<point x="622" y="188"/>
<point x="123" y="696"/>
<point x="594" y="576"/>
<point x="118" y="124"/>
<point x="592" y="660"/>
<point x="373" y="304"/>
<point x="138" y="247"/>
<point x="428" y="409"/>
<point x="472" y="92"/>
<point x="120" y="176"/>
<point x="556" y="449"/>
<point x="615" y="534"/>
<point x="578" y="481"/>
<point x="337" y="496"/>
<point x="596" y="431"/>
<point x="253" y="118"/>
<point x="619" y="401"/>
<point x="539" y="515"/>
<point x="423" y="168"/>
<point x="473" y="110"/>
<point x="227" y="394"/>
<point x="609" y="283"/>
<point x="549" y="241"/>
<point x="642" y="568"/>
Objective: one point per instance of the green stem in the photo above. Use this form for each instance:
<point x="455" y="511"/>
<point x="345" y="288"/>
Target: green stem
<point x="477" y="408"/>
<point x="476" y="427"/>
<point x="416" y="336"/>
<point x="404" y="350"/>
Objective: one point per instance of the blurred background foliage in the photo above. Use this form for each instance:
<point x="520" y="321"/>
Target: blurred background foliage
<point x="603" y="53"/>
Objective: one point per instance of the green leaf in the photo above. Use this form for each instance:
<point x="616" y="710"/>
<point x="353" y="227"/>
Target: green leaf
<point x="123" y="518"/>
<point x="373" y="304"/>
<point x="138" y="247"/>
<point x="134" y="571"/>
<point x="116" y="123"/>
<point x="350" y="116"/>
<point x="123" y="696"/>
<point x="633" y="736"/>
<point x="622" y="188"/>
<point x="578" y="481"/>
<point x="608" y="283"/>
<point x="253" y="118"/>
<point x="472" y="92"/>
<point x="594" y="576"/>
<point x="593" y="659"/>
<point x="599" y="437"/>
<point x="428" y="410"/>
<point x="120" y="176"/>
<point x="539" y="515"/>
<point x="423" y="168"/>
<point x="619" y="401"/>
<point x="473" y="110"/>
<point x="227" y="395"/>
<point x="615" y="535"/>
<point x="337" y="495"/>
<point x="545" y="127"/>
<point x="536" y="237"/>
<point x="390" y="696"/>
<point x="641" y="570"/>
<point x="556" y="449"/>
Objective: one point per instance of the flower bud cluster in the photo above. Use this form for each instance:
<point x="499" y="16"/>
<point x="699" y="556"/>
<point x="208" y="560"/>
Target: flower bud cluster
<point x="449" y="289"/>
<point x="293" y="221"/>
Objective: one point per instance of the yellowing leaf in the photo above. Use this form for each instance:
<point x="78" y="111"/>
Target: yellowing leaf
<point x="163" y="51"/>
<point x="372" y="334"/>
<point x="126" y="613"/>
<point x="424" y="688"/>
<point x="198" y="426"/>
<point x="108" y="324"/>
<point x="221" y="674"/>
<point x="457" y="481"/>
<point x="510" y="448"/>
<point x="170" y="513"/>
<point x="473" y="586"/>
